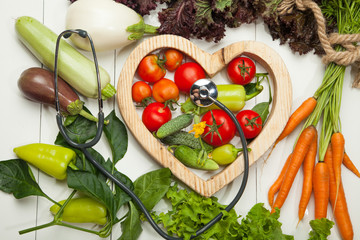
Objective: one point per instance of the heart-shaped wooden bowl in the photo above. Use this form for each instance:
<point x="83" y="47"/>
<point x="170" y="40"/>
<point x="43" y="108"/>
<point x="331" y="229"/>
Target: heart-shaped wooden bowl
<point x="212" y="64"/>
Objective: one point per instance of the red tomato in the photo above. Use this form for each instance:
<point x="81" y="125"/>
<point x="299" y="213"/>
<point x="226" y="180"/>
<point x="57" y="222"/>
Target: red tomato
<point x="241" y="70"/>
<point x="227" y="129"/>
<point x="187" y="74"/>
<point x="164" y="90"/>
<point x="151" y="68"/>
<point x="140" y="90"/>
<point x="173" y="59"/>
<point x="155" y="115"/>
<point x="250" y="122"/>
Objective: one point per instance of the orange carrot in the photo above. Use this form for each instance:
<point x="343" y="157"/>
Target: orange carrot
<point x="337" y="146"/>
<point x="276" y="185"/>
<point x="302" y="112"/>
<point x="300" y="150"/>
<point x="350" y="165"/>
<point x="308" y="168"/>
<point x="341" y="212"/>
<point x="321" y="189"/>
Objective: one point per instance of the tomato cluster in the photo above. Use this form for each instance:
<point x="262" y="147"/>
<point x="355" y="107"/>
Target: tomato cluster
<point x="219" y="129"/>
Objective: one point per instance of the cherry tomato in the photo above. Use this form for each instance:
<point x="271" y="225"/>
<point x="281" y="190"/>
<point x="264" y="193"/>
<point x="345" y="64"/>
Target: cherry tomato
<point x="173" y="59"/>
<point x="155" y="115"/>
<point x="250" y="122"/>
<point x="164" y="90"/>
<point x="241" y="70"/>
<point x="225" y="127"/>
<point x="187" y="74"/>
<point x="151" y="68"/>
<point x="140" y="90"/>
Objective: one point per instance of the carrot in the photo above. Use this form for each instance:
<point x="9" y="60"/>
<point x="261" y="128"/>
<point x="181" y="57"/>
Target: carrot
<point x="308" y="168"/>
<point x="276" y="185"/>
<point x="341" y="213"/>
<point x="300" y="150"/>
<point x="350" y="165"/>
<point x="321" y="189"/>
<point x="302" y="112"/>
<point x="338" y="147"/>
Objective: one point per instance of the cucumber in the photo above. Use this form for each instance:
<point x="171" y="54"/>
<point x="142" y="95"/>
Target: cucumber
<point x="174" y="125"/>
<point x="187" y="139"/>
<point x="189" y="157"/>
<point x="76" y="69"/>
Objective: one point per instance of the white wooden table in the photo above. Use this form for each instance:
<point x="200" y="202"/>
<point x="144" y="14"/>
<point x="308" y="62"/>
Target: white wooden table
<point x="24" y="122"/>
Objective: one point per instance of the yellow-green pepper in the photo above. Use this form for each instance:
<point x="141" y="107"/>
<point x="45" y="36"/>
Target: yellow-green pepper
<point x="50" y="159"/>
<point x="82" y="210"/>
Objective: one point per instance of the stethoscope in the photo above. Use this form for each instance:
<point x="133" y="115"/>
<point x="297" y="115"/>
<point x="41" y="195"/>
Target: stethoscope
<point x="203" y="93"/>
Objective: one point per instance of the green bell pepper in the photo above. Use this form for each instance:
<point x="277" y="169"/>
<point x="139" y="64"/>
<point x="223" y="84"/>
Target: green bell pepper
<point x="233" y="96"/>
<point x="50" y="159"/>
<point x="82" y="210"/>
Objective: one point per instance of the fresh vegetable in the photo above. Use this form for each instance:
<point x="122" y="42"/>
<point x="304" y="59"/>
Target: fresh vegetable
<point x="250" y="122"/>
<point x="350" y="165"/>
<point x="321" y="229"/>
<point x="82" y="210"/>
<point x="190" y="157"/>
<point x="187" y="74"/>
<point x="111" y="25"/>
<point x="140" y="91"/>
<point x="37" y="84"/>
<point x="51" y="159"/>
<point x="174" y="125"/>
<point x="321" y="189"/>
<point x="220" y="129"/>
<point x="341" y="212"/>
<point x="187" y="139"/>
<point x="173" y="59"/>
<point x="300" y="150"/>
<point x="233" y="96"/>
<point x="241" y="70"/>
<point x="225" y="154"/>
<point x="155" y="115"/>
<point x="308" y="171"/>
<point x="338" y="149"/>
<point x="76" y="69"/>
<point x="165" y="90"/>
<point x="151" y="68"/>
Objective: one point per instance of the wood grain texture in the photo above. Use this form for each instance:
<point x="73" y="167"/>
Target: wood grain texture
<point x="212" y="64"/>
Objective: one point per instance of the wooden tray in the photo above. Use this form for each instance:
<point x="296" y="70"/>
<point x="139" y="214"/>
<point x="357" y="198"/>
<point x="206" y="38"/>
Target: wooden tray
<point x="212" y="64"/>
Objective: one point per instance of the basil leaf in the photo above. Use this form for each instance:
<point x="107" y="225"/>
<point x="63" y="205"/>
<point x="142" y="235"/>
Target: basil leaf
<point x="90" y="184"/>
<point x="120" y="196"/>
<point x="17" y="178"/>
<point x="262" y="109"/>
<point x="116" y="133"/>
<point x="80" y="130"/>
<point x="131" y="226"/>
<point x="152" y="186"/>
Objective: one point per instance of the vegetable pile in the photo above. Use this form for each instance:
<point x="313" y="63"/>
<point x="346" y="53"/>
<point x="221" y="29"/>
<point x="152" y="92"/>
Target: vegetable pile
<point x="324" y="177"/>
<point x="208" y="143"/>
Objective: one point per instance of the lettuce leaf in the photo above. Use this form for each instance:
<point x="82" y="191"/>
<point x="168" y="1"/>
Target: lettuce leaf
<point x="321" y="229"/>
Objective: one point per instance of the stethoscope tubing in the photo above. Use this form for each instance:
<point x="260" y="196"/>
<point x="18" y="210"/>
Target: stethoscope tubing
<point x="134" y="197"/>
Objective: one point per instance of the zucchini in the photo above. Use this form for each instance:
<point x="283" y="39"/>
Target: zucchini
<point x="174" y="125"/>
<point x="76" y="69"/>
<point x="187" y="139"/>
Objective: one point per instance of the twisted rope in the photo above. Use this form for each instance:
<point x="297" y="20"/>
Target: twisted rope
<point x="351" y="55"/>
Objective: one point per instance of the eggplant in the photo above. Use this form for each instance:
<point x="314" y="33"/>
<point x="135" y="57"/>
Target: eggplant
<point x="37" y="84"/>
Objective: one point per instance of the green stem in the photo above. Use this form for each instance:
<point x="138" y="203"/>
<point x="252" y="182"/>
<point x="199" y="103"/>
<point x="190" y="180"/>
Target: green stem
<point x="57" y="217"/>
<point x="52" y="223"/>
<point x="77" y="228"/>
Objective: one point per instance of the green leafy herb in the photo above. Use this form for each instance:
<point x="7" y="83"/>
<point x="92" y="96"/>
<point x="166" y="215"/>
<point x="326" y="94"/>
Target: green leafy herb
<point x="152" y="186"/>
<point x="321" y="229"/>
<point x="116" y="134"/>
<point x="131" y="226"/>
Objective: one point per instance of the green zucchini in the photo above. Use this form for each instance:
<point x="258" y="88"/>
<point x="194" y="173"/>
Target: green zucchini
<point x="189" y="157"/>
<point x="174" y="125"/>
<point x="185" y="138"/>
<point x="76" y="69"/>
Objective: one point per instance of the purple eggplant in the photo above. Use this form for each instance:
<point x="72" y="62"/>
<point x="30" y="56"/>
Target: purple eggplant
<point x="37" y="84"/>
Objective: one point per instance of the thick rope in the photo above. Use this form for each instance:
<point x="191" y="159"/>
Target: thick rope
<point x="351" y="56"/>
